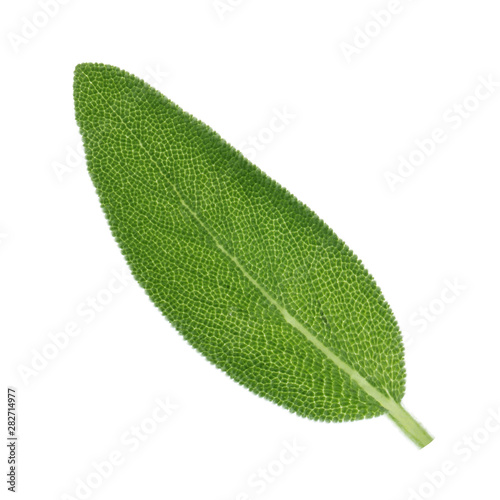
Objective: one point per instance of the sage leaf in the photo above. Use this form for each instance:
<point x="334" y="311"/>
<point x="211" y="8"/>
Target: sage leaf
<point x="250" y="276"/>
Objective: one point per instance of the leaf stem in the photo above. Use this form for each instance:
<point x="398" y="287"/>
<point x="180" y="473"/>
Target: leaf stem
<point x="413" y="429"/>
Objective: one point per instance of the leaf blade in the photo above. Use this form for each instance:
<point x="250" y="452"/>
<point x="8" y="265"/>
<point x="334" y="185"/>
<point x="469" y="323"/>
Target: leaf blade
<point x="272" y="296"/>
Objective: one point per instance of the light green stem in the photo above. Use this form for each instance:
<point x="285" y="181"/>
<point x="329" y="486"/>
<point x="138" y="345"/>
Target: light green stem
<point x="413" y="429"/>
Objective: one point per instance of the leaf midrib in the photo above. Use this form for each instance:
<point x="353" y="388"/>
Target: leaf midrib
<point x="385" y="401"/>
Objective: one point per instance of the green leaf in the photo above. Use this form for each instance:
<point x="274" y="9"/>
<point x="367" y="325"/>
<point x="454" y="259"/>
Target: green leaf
<point x="251" y="277"/>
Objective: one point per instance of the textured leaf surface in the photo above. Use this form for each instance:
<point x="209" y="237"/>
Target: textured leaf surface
<point x="250" y="276"/>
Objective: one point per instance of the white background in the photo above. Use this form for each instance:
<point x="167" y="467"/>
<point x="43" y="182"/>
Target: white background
<point x="351" y="123"/>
